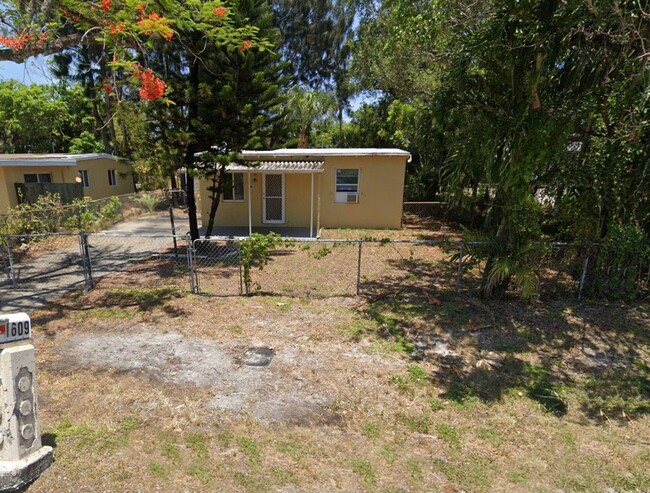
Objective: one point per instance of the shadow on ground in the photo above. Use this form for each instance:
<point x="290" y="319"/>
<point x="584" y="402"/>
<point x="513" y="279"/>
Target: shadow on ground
<point x="560" y="353"/>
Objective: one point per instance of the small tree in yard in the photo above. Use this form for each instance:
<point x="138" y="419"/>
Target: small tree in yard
<point x="256" y="251"/>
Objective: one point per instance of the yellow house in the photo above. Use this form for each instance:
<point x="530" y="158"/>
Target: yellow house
<point x="312" y="188"/>
<point x="98" y="175"/>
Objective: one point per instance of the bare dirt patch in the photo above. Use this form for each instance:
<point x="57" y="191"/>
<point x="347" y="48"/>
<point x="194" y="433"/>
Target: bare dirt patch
<point x="219" y="374"/>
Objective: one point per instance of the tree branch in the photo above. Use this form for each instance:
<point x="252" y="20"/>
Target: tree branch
<point x="54" y="46"/>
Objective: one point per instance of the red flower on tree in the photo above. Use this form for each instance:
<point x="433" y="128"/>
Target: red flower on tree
<point x="106" y="5"/>
<point x="115" y="29"/>
<point x="245" y="46"/>
<point x="17" y="43"/>
<point x="155" y="24"/>
<point x="221" y="12"/>
<point x="152" y="87"/>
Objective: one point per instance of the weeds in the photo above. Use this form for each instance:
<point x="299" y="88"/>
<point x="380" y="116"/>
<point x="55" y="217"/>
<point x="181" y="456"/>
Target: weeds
<point x="450" y="434"/>
<point x="143" y="298"/>
<point x="366" y="471"/>
<point x="371" y="430"/>
<point x="158" y="470"/>
<point x="251" y="449"/>
<point x="198" y="442"/>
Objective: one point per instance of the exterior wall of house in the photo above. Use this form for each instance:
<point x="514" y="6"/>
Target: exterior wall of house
<point x="296" y="210"/>
<point x="98" y="177"/>
<point x="97" y="174"/>
<point x="16" y="174"/>
<point x="4" y="192"/>
<point x="381" y="191"/>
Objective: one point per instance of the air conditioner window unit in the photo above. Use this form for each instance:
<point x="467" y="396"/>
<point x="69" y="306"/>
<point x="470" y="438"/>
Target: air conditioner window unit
<point x="353" y="198"/>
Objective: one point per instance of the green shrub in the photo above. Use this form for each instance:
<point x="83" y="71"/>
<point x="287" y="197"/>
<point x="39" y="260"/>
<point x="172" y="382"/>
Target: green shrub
<point x="623" y="255"/>
<point x="148" y="201"/>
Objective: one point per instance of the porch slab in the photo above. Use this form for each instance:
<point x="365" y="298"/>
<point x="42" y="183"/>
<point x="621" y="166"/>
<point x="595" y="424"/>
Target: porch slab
<point x="238" y="231"/>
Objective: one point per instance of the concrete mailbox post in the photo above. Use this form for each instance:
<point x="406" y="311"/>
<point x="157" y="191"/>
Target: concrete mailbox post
<point x="23" y="458"/>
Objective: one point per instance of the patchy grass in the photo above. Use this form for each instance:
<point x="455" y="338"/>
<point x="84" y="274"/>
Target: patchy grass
<point x="388" y="395"/>
<point x="143" y="298"/>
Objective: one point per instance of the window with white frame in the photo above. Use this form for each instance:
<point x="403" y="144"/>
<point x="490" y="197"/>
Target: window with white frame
<point x="347" y="186"/>
<point x="38" y="178"/>
<point x="233" y="187"/>
<point x="112" y="178"/>
<point x="85" y="181"/>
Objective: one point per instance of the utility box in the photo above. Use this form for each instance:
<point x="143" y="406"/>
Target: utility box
<point x="23" y="458"/>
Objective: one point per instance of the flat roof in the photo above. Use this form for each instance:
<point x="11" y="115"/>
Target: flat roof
<point x="320" y="153"/>
<point x="50" y="159"/>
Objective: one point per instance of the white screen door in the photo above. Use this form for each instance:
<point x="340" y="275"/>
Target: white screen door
<point x="273" y="199"/>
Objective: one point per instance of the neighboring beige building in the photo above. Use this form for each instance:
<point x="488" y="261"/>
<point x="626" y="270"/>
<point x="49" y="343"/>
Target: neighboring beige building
<point x="100" y="175"/>
<point x="313" y="188"/>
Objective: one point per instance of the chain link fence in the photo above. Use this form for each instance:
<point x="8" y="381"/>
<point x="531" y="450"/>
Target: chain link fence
<point x="50" y="216"/>
<point x="56" y="263"/>
<point x="324" y="268"/>
<point x="42" y="262"/>
<point x="137" y="260"/>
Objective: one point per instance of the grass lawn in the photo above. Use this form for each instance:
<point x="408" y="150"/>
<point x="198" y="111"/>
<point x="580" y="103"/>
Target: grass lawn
<point x="147" y="388"/>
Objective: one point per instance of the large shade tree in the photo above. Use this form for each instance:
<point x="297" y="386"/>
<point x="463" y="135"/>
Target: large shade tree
<point x="529" y="99"/>
<point x="126" y="33"/>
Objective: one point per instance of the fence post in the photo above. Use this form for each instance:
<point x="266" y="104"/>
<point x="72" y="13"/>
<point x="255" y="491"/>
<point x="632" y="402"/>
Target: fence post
<point x="359" y="269"/>
<point x="190" y="265"/>
<point x="171" y="219"/>
<point x="459" y="273"/>
<point x="241" y="273"/>
<point x="85" y="260"/>
<point x="583" y="278"/>
<point x="12" y="272"/>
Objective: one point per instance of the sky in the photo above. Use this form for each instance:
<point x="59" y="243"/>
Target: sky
<point x="34" y="71"/>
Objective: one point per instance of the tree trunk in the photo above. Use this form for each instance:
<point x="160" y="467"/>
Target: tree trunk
<point x="217" y="186"/>
<point x="192" y="114"/>
<point x="303" y="142"/>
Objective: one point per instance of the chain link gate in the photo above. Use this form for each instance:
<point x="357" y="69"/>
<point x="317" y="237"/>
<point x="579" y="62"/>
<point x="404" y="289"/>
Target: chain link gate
<point x="49" y="263"/>
<point x="137" y="259"/>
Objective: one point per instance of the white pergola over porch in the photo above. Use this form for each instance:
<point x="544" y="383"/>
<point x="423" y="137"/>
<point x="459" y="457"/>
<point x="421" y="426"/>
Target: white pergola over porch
<point x="281" y="167"/>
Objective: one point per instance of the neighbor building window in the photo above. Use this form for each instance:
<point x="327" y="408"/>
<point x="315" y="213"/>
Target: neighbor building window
<point x="112" y="179"/>
<point x="38" y="178"/>
<point x="347" y="186"/>
<point x="85" y="181"/>
<point x="233" y="187"/>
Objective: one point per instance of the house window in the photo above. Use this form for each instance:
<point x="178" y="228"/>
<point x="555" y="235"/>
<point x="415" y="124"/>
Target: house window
<point x="85" y="181"/>
<point x="233" y="187"/>
<point x="347" y="186"/>
<point x="38" y="178"/>
<point x="112" y="179"/>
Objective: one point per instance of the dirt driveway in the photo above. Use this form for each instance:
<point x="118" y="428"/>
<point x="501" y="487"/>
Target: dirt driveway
<point x="45" y="271"/>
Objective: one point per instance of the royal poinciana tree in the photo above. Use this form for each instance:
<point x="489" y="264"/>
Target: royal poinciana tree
<point x="123" y="36"/>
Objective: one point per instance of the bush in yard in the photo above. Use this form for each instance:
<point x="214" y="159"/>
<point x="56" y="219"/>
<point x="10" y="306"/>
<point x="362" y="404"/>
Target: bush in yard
<point x="43" y="216"/>
<point x="83" y="216"/>
<point x="622" y="260"/>
<point x="110" y="211"/>
<point x="256" y="251"/>
<point x="148" y="201"/>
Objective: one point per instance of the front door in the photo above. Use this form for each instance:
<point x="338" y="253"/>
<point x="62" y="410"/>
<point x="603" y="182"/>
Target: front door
<point x="273" y="199"/>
